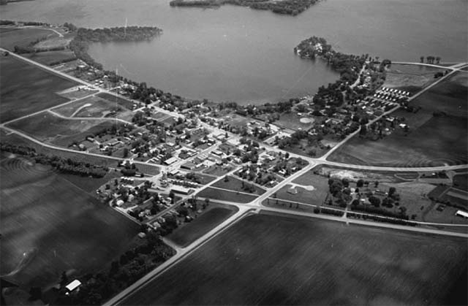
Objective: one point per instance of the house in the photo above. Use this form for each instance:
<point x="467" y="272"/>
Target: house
<point x="462" y="213"/>
<point x="73" y="286"/>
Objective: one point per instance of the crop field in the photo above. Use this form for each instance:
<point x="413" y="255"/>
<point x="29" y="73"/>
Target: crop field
<point x="26" y="89"/>
<point x="275" y="260"/>
<point x="50" y="57"/>
<point x="235" y="184"/>
<point x="11" y="37"/>
<point x="52" y="129"/>
<point x="224" y="195"/>
<point x="432" y="141"/>
<point x="185" y="235"/>
<point x="49" y="226"/>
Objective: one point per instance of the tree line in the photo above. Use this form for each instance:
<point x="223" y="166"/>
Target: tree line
<point x="64" y="165"/>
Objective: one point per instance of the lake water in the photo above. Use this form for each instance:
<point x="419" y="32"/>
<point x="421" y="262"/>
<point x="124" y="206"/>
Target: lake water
<point x="239" y="54"/>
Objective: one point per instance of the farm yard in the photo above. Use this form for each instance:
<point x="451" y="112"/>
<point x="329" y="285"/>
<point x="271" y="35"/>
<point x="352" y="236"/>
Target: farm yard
<point x="273" y="260"/>
<point x="28" y="90"/>
<point x="49" y="226"/>
<point x="437" y="133"/>
<point x="210" y="218"/>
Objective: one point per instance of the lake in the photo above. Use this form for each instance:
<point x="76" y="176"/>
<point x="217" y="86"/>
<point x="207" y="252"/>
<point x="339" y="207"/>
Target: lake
<point x="238" y="54"/>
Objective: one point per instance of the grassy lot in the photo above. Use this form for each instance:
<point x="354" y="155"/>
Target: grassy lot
<point x="9" y="38"/>
<point x="445" y="216"/>
<point x="25" y="89"/>
<point x="432" y="141"/>
<point x="235" y="184"/>
<point x="292" y="121"/>
<point x="55" y="130"/>
<point x="50" y="57"/>
<point x="277" y="260"/>
<point x="460" y="181"/>
<point x="114" y="99"/>
<point x="217" y="170"/>
<point x="90" y="184"/>
<point x="224" y="195"/>
<point x="410" y="77"/>
<point x="316" y="196"/>
<point x="49" y="226"/>
<point x="210" y="218"/>
<point x="76" y="94"/>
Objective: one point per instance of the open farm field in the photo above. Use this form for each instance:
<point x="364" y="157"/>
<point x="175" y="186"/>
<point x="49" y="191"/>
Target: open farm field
<point x="209" y="219"/>
<point x="90" y="184"/>
<point x="224" y="195"/>
<point x="276" y="260"/>
<point x="432" y="140"/>
<point x="22" y="37"/>
<point x="236" y="184"/>
<point x="49" y="226"/>
<point x="50" y="58"/>
<point x="55" y="130"/>
<point x="114" y="99"/>
<point x="410" y="77"/>
<point x="26" y="89"/>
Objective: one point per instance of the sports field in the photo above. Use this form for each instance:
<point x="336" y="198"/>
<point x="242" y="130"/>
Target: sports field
<point x="26" y="89"/>
<point x="432" y="140"/>
<point x="49" y="226"/>
<point x="276" y="260"/>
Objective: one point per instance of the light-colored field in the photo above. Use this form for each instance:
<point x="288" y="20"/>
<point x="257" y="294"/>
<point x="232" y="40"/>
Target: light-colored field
<point x="276" y="260"/>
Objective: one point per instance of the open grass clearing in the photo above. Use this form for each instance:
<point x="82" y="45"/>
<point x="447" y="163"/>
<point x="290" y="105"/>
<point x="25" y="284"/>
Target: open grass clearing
<point x="410" y="77"/>
<point x="432" y="141"/>
<point x="118" y="100"/>
<point x="51" y="57"/>
<point x="209" y="219"/>
<point x="276" y="260"/>
<point x="22" y="37"/>
<point x="55" y="130"/>
<point x="301" y="195"/>
<point x="224" y="195"/>
<point x="51" y="226"/>
<point x="293" y="122"/>
<point x="460" y="181"/>
<point x="235" y="184"/>
<point x="26" y="89"/>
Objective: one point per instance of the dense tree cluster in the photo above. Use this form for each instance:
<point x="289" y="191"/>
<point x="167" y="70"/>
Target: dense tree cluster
<point x="65" y="165"/>
<point x="288" y="7"/>
<point x="84" y="37"/>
